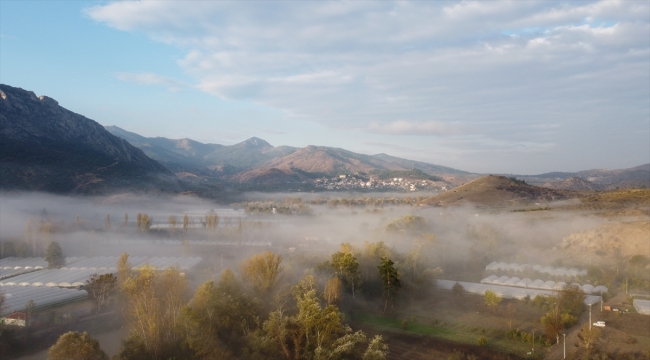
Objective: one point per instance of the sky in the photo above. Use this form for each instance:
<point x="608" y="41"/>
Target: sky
<point x="519" y="87"/>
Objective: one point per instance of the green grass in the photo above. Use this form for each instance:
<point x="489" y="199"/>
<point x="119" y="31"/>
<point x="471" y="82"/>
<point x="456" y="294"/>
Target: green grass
<point x="454" y="333"/>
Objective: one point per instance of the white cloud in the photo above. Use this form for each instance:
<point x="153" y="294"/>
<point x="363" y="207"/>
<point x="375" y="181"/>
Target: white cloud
<point x="151" y="79"/>
<point x="491" y="67"/>
<point x="403" y="127"/>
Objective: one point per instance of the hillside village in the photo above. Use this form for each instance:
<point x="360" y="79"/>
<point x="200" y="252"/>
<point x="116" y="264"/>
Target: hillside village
<point x="358" y="182"/>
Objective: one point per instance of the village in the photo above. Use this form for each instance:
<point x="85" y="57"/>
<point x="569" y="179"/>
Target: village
<point x="360" y="182"/>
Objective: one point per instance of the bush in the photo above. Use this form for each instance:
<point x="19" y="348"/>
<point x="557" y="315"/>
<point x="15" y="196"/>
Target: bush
<point x="482" y="341"/>
<point x="404" y="324"/>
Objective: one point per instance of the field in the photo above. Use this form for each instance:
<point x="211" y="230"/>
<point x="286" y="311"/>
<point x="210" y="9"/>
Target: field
<point x="457" y="323"/>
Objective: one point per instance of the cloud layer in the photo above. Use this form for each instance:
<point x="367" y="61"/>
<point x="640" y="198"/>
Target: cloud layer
<point x="525" y="73"/>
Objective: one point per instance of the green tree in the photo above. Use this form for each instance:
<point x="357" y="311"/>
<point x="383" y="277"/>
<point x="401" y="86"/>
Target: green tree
<point x="346" y="266"/>
<point x="76" y="346"/>
<point x="492" y="300"/>
<point x="390" y="279"/>
<point x="54" y="256"/>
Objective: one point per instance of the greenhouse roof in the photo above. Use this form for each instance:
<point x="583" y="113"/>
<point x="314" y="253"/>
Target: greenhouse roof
<point x="16" y="297"/>
<point x="641" y="306"/>
<point x="507" y="292"/>
<point x="540" y="284"/>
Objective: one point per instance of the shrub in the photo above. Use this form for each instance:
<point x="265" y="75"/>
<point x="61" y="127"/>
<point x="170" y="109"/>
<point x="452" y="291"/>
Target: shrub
<point x="482" y="341"/>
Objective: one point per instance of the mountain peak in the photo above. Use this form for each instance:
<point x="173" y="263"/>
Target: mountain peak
<point x="255" y="142"/>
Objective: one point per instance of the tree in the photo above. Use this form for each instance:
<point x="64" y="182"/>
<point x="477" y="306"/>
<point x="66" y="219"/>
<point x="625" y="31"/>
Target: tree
<point x="154" y="303"/>
<point x="173" y="221"/>
<point x="76" y="346"/>
<point x="390" y="278"/>
<point x="100" y="288"/>
<point x="492" y="300"/>
<point x="218" y="318"/>
<point x="54" y="256"/>
<point x="377" y="349"/>
<point x="589" y="335"/>
<point x="123" y="269"/>
<point x="346" y="266"/>
<point x="511" y="312"/>
<point x="332" y="292"/>
<point x="262" y="271"/>
<point x="458" y="289"/>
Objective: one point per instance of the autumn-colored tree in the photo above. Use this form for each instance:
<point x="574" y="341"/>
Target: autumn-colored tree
<point x="107" y="222"/>
<point x="332" y="292"/>
<point x="123" y="269"/>
<point x="173" y="221"/>
<point x="154" y="302"/>
<point x="262" y="271"/>
<point x="101" y="288"/>
<point x="126" y="220"/>
<point x="390" y="279"/>
<point x="76" y="346"/>
<point x="218" y="318"/>
<point x="589" y="335"/>
<point x="186" y="222"/>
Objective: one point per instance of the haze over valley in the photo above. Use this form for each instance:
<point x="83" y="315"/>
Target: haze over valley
<point x="324" y="180"/>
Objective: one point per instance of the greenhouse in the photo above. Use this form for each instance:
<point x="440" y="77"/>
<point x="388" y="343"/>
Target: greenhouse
<point x="641" y="306"/>
<point x="54" y="278"/>
<point x="16" y="297"/>
<point x="506" y="292"/>
<point x="541" y="284"/>
<point x="560" y="271"/>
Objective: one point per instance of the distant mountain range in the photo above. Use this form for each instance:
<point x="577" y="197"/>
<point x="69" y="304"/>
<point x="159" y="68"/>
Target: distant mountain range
<point x="48" y="148"/>
<point x="255" y="161"/>
<point x="597" y="179"/>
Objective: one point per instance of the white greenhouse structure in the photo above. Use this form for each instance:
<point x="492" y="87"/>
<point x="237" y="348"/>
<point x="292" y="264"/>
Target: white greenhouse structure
<point x="16" y="297"/>
<point x="560" y="271"/>
<point x="541" y="284"/>
<point x="506" y="292"/>
<point x="641" y="306"/>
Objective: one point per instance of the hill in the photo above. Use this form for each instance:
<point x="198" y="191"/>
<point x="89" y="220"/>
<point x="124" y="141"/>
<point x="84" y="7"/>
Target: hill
<point x="496" y="191"/>
<point x="255" y="161"/>
<point x="572" y="183"/>
<point x="187" y="155"/>
<point x="637" y="176"/>
<point x="46" y="147"/>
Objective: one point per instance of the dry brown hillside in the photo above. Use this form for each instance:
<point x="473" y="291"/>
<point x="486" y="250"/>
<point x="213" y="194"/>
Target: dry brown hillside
<point x="573" y="183"/>
<point x="497" y="191"/>
<point x="624" y="239"/>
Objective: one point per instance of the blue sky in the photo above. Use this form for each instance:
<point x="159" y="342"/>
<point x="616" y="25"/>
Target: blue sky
<point x="494" y="87"/>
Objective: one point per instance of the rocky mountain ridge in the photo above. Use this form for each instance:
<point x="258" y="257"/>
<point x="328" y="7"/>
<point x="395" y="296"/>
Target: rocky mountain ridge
<point x="46" y="147"/>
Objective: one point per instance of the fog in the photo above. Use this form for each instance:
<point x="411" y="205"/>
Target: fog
<point x="464" y="236"/>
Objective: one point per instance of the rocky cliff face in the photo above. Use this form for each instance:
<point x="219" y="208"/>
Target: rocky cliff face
<point x="44" y="146"/>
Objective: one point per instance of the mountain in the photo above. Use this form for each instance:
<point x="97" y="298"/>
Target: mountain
<point x="602" y="179"/>
<point x="572" y="183"/>
<point x="637" y="176"/>
<point x="186" y="155"/>
<point x="321" y="161"/>
<point x="46" y="147"/>
<point x="496" y="191"/>
<point x="255" y="161"/>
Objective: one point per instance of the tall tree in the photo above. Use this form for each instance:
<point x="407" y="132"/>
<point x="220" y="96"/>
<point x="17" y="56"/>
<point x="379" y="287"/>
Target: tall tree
<point x="123" y="269"/>
<point x="76" y="346"/>
<point x="262" y="271"/>
<point x="390" y="278"/>
<point x="54" y="256"/>
<point x="346" y="266"/>
<point x="100" y="288"/>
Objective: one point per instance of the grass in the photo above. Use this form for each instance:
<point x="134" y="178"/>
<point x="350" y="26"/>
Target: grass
<point x="455" y="333"/>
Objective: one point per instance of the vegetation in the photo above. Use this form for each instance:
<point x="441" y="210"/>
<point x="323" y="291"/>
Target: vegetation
<point x="390" y="279"/>
<point x="492" y="300"/>
<point x="76" y="346"/>
<point x="54" y="256"/>
<point x="100" y="289"/>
